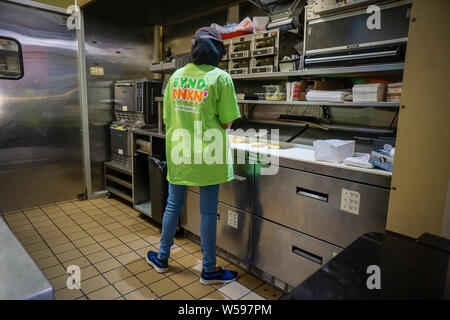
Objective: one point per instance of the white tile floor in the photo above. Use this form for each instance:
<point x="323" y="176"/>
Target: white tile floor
<point x="109" y="240"/>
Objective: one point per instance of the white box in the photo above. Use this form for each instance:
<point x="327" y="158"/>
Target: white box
<point x="333" y="150"/>
<point x="259" y="24"/>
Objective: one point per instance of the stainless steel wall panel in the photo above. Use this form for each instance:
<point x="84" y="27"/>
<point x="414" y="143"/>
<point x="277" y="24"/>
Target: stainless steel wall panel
<point x="288" y="198"/>
<point x="40" y="137"/>
<point x="100" y="117"/>
<point x="125" y="50"/>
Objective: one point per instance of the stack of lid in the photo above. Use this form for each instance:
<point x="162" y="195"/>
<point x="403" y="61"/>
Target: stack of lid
<point x="374" y="92"/>
<point x="394" y="92"/>
<point x="328" y="96"/>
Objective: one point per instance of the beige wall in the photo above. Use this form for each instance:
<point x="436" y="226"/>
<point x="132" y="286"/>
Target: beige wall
<point x="446" y="220"/>
<point x="63" y="3"/>
<point x="422" y="160"/>
<point x="57" y="3"/>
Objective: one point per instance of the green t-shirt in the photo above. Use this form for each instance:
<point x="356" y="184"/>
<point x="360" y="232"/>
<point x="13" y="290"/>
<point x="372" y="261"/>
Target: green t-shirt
<point x="197" y="100"/>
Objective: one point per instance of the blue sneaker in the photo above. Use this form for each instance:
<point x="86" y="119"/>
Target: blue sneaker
<point x="221" y="276"/>
<point x="160" y="266"/>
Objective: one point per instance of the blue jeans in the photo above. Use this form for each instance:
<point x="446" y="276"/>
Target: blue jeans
<point x="209" y="197"/>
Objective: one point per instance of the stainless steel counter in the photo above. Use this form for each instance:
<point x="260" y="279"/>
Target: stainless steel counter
<point x="298" y="216"/>
<point x="20" y="277"/>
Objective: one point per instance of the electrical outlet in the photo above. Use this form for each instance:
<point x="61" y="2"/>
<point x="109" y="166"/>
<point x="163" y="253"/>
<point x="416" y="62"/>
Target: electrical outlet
<point x="350" y="201"/>
<point x="233" y="219"/>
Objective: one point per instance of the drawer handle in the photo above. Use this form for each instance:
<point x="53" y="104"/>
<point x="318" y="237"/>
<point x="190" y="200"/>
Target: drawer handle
<point x="123" y="84"/>
<point x="307" y="255"/>
<point x="240" y="178"/>
<point x="312" y="194"/>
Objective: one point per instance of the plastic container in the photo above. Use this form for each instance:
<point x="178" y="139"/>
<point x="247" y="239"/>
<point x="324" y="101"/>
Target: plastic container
<point x="261" y="95"/>
<point x="289" y="65"/>
<point x="275" y="92"/>
<point x="259" y="24"/>
<point x="382" y="159"/>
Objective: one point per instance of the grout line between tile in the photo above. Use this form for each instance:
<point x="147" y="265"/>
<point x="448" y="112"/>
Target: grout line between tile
<point x="49" y="246"/>
<point x="138" y="219"/>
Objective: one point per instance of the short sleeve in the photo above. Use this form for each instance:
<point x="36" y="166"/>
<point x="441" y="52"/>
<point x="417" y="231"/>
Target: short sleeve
<point x="227" y="107"/>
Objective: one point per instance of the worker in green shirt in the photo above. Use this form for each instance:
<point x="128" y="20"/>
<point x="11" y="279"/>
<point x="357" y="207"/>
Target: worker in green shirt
<point x="199" y="105"/>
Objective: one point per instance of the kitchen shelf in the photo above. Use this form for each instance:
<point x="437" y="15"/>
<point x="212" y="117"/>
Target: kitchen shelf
<point x="325" y="72"/>
<point x="119" y="181"/>
<point x="144" y="208"/>
<point x="315" y="103"/>
<point x="142" y="151"/>
<point x="331" y="104"/>
<point x="120" y="194"/>
<point x="337" y="127"/>
<point x="163" y="67"/>
<point x="118" y="167"/>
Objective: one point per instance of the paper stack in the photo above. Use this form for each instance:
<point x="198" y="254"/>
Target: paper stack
<point x="361" y="161"/>
<point x="394" y="92"/>
<point x="375" y="92"/>
<point x="328" y="96"/>
<point x="333" y="150"/>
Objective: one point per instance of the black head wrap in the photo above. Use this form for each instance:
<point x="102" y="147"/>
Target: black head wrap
<point x="207" y="47"/>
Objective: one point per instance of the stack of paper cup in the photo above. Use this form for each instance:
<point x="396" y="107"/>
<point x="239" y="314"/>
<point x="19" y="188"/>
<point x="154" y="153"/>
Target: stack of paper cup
<point x="293" y="91"/>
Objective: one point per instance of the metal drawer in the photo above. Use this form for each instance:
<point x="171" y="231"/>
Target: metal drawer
<point x="287" y="255"/>
<point x="238" y="192"/>
<point x="236" y="241"/>
<point x="311" y="203"/>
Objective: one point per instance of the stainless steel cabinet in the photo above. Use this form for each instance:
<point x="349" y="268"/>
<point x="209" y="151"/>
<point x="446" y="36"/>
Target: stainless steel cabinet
<point x="233" y="226"/>
<point x="314" y="204"/>
<point x="287" y="255"/>
<point x="238" y="193"/>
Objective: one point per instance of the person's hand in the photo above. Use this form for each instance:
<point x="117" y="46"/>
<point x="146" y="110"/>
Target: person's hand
<point x="226" y="126"/>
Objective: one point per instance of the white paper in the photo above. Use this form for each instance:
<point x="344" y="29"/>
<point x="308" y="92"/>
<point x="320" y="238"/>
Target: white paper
<point x="333" y="150"/>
